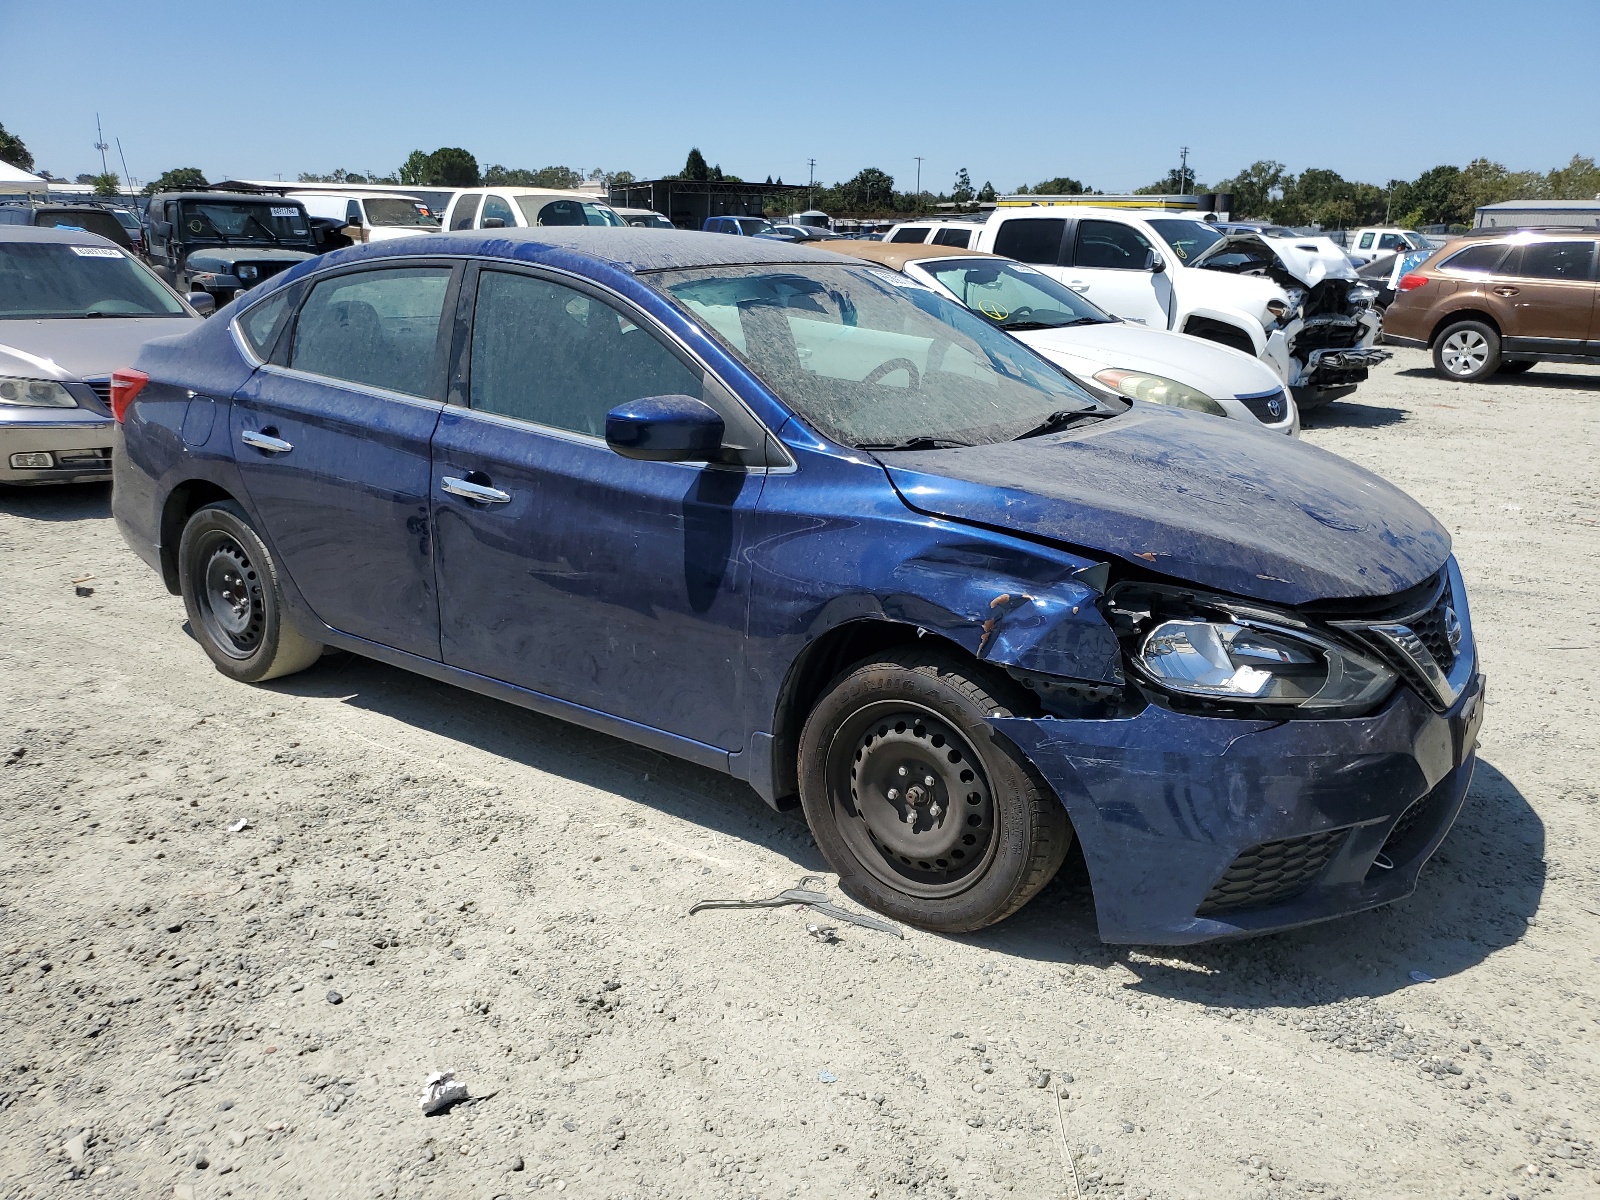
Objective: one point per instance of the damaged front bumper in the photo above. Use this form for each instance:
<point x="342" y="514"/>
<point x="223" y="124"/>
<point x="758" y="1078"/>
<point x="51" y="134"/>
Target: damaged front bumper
<point x="1202" y="827"/>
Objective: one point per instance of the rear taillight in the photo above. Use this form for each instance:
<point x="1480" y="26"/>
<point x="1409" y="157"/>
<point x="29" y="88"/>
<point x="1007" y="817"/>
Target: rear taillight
<point x="126" y="383"/>
<point x="1410" y="283"/>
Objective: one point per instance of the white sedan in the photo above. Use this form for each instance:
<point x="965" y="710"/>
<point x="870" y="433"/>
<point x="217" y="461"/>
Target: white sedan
<point x="1131" y="360"/>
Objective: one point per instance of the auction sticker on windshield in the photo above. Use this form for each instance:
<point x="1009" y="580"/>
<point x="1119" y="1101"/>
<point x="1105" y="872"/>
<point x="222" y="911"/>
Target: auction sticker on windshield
<point x="96" y="252"/>
<point x="286" y="212"/>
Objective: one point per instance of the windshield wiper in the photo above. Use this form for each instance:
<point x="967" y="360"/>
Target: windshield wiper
<point x="262" y="225"/>
<point x="1055" y="421"/>
<point x="1026" y="325"/>
<point x="922" y="442"/>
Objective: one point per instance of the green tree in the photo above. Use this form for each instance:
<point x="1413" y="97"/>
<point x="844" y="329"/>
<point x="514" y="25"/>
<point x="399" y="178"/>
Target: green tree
<point x="619" y="178"/>
<point x="107" y="184"/>
<point x="1432" y="198"/>
<point x="962" y="191"/>
<point x="1174" y="183"/>
<point x="1578" y="180"/>
<point x="870" y="190"/>
<point x="986" y="193"/>
<point x="1256" y="188"/>
<point x="1061" y="185"/>
<point x="179" y="179"/>
<point x="451" y="166"/>
<point x="12" y="151"/>
<point x="694" y="167"/>
<point x="414" y="170"/>
<point x="338" y="175"/>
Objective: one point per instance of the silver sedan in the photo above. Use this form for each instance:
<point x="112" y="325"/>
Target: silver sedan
<point x="73" y="308"/>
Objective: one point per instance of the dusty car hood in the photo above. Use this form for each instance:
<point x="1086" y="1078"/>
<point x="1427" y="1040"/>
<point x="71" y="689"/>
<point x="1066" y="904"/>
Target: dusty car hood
<point x="81" y="349"/>
<point x="222" y="258"/>
<point x="1184" y="495"/>
<point x="1216" y="370"/>
<point x="1310" y="266"/>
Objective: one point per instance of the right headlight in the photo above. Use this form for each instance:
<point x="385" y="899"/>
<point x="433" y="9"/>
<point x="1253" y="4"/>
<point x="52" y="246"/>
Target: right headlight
<point x="35" y="393"/>
<point x="1158" y="389"/>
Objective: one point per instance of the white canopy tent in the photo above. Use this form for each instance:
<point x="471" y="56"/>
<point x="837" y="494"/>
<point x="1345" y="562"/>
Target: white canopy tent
<point x="15" y="181"/>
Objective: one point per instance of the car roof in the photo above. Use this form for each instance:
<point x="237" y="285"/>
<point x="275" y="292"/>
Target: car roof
<point x="897" y="254"/>
<point x="224" y="197"/>
<point x="629" y="248"/>
<point x="510" y="190"/>
<point x="48" y="233"/>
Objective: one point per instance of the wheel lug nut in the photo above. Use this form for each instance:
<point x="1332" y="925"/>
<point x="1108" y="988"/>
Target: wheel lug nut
<point x="929" y="780"/>
<point x="902" y="770"/>
<point x="894" y="793"/>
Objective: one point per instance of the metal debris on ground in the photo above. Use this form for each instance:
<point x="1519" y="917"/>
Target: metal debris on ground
<point x="441" y="1090"/>
<point x="823" y="933"/>
<point x="817" y="902"/>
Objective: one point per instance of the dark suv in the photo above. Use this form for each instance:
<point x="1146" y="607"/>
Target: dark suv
<point x="1502" y="303"/>
<point x="226" y="242"/>
<point x="91" y="218"/>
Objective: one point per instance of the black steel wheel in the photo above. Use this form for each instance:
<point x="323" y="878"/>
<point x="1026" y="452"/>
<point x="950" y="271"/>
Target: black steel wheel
<point x="230" y="588"/>
<point x="926" y="813"/>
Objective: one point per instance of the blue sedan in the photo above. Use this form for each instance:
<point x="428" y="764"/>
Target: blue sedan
<point x="798" y="519"/>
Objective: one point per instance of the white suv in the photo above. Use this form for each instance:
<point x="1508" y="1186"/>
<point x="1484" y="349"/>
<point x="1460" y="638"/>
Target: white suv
<point x="522" y="207"/>
<point x="1302" y="311"/>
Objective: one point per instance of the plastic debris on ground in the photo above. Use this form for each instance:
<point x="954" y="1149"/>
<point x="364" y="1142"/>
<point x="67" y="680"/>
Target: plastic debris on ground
<point x="441" y="1090"/>
<point x="817" y="902"/>
<point x="240" y="825"/>
<point x="827" y="1077"/>
<point x="1422" y="977"/>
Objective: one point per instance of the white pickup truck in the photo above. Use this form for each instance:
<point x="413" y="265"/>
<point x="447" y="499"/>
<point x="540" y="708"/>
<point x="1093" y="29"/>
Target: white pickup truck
<point x="1365" y="245"/>
<point x="1301" y="310"/>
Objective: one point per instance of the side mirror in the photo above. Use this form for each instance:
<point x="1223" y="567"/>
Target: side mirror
<point x="494" y="222"/>
<point x="162" y="228"/>
<point x="665" y="429"/>
<point x="1157" y="263"/>
<point x="203" y="303"/>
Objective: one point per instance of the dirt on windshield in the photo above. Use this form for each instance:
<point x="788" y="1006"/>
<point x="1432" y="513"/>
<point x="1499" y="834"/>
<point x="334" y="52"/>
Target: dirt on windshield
<point x="241" y="926"/>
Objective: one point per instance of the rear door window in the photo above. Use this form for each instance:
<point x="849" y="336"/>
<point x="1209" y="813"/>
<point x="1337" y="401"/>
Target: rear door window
<point x="1032" y="239"/>
<point x="952" y="237"/>
<point x="378" y="328"/>
<point x="1113" y="246"/>
<point x="1476" y="258"/>
<point x="910" y="235"/>
<point x="1555" y="260"/>
<point x="466" y="208"/>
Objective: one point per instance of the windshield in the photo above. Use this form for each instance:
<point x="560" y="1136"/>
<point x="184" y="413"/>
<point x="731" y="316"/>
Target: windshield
<point x="244" y="222"/>
<point x="1188" y="239"/>
<point x="50" y="280"/>
<point x="392" y="210"/>
<point x="125" y="218"/>
<point x="538" y="211"/>
<point x="1013" y="296"/>
<point x="873" y="359"/>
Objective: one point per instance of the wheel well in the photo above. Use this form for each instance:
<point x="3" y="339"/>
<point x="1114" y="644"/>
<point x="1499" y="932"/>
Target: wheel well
<point x="1220" y="332"/>
<point x="817" y="666"/>
<point x="1462" y="314"/>
<point x="182" y="503"/>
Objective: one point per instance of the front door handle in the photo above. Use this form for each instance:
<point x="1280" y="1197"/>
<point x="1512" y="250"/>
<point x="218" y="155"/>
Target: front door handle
<point x="1506" y="290"/>
<point x="1078" y="285"/>
<point x="473" y="491"/>
<point x="266" y="442"/>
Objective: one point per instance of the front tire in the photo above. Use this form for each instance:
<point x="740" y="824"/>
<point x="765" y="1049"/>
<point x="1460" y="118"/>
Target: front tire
<point x="235" y="603"/>
<point x="927" y="815"/>
<point x="1468" y="351"/>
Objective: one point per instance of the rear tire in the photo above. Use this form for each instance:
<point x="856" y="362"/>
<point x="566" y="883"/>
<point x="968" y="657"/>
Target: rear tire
<point x="1520" y="367"/>
<point x="1468" y="351"/>
<point x="235" y="603"/>
<point x="981" y="839"/>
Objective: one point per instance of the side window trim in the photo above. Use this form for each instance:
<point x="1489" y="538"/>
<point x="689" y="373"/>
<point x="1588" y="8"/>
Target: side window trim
<point x="441" y="348"/>
<point x="459" y="385"/>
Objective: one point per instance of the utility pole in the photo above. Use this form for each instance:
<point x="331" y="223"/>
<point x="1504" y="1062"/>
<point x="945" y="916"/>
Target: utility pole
<point x="128" y="178"/>
<point x="101" y="145"/>
<point x="811" y="181"/>
<point x="1183" y="169"/>
<point x="919" y="180"/>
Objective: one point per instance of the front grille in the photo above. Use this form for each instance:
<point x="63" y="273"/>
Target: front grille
<point x="102" y="388"/>
<point x="1431" y="628"/>
<point x="1263" y="406"/>
<point x="1272" y="871"/>
<point x="1327" y="333"/>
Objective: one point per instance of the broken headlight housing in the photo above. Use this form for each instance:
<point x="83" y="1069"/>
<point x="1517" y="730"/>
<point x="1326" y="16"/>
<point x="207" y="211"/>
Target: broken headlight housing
<point x="1197" y="648"/>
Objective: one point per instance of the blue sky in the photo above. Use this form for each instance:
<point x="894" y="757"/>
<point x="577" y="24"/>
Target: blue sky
<point x="1015" y="92"/>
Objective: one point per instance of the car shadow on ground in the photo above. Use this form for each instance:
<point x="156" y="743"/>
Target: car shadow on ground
<point x="1475" y="897"/>
<point x="668" y="785"/>
<point x="65" y="502"/>
<point x="1554" y="377"/>
<point x="1344" y="415"/>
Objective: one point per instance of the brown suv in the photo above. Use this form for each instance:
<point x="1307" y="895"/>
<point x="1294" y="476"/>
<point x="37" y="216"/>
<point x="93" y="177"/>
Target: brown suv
<point x="1502" y="303"/>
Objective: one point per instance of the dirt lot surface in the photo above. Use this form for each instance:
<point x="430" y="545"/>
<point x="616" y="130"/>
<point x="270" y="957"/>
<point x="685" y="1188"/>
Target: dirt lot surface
<point x="490" y="891"/>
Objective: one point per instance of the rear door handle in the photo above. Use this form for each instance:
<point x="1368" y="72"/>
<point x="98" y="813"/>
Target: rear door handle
<point x="266" y="442"/>
<point x="473" y="491"/>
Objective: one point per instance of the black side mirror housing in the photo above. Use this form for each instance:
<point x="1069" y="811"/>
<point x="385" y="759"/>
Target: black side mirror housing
<point x="203" y="303"/>
<point x="494" y="223"/>
<point x="1157" y="263"/>
<point x="665" y="429"/>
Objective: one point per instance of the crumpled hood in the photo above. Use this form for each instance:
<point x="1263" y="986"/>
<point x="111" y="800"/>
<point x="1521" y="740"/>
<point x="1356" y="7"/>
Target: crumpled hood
<point x="1305" y="259"/>
<point x="1204" y="501"/>
<point x="222" y="259"/>
<point x="1216" y="370"/>
<point x="81" y="349"/>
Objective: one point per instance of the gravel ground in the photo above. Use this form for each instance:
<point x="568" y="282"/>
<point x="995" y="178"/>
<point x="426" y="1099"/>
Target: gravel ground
<point x="432" y="880"/>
